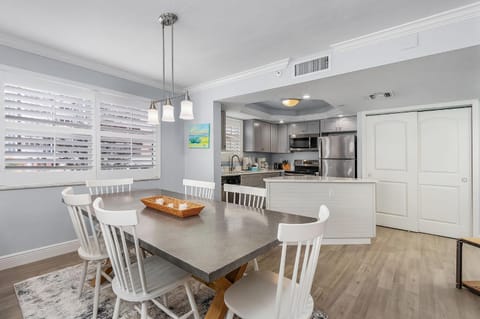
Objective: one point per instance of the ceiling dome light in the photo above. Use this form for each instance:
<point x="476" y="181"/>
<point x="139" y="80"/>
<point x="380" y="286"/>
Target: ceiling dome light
<point x="186" y="110"/>
<point x="306" y="96"/>
<point x="167" y="113"/>
<point x="290" y="102"/>
<point x="153" y="114"/>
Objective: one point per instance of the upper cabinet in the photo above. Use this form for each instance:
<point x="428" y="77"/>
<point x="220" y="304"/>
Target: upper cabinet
<point x="279" y="138"/>
<point x="256" y="136"/>
<point x="299" y="128"/>
<point x="264" y="137"/>
<point x="339" y="124"/>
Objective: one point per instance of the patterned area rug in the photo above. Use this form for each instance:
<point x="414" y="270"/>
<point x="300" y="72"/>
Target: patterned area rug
<point x="55" y="296"/>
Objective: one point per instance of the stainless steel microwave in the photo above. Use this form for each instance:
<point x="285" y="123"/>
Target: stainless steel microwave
<point x="305" y="142"/>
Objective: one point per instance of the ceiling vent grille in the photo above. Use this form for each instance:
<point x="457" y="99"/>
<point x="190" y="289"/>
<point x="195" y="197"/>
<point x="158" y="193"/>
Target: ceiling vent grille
<point x="311" y="66"/>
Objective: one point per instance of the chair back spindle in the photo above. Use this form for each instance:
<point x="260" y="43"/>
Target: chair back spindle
<point x="200" y="189"/>
<point x="114" y="224"/>
<point x="245" y="195"/>
<point x="109" y="186"/>
<point x="308" y="238"/>
<point x="83" y="226"/>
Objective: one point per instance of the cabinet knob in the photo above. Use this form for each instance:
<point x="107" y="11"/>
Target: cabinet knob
<point x="464" y="179"/>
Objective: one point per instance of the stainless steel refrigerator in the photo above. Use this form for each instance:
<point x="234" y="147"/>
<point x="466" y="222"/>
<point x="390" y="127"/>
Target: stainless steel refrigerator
<point x="338" y="155"/>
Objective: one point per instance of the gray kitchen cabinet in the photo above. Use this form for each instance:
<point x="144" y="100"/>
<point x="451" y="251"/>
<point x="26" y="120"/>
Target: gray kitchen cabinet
<point x="339" y="124"/>
<point x="313" y="127"/>
<point x="256" y="136"/>
<point x="283" y="142"/>
<point x="279" y="142"/>
<point x="256" y="179"/>
<point x="273" y="138"/>
<point x="299" y="128"/>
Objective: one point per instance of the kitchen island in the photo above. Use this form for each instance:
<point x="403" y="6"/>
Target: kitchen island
<point x="351" y="202"/>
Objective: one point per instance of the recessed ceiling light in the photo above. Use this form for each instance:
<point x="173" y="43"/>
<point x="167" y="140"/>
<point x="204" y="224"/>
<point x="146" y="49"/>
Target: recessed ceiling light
<point x="340" y="115"/>
<point x="306" y="96"/>
<point x="290" y="102"/>
<point x="281" y="121"/>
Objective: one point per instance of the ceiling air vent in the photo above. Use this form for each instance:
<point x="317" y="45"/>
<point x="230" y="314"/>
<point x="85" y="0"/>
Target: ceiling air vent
<point x="311" y="66"/>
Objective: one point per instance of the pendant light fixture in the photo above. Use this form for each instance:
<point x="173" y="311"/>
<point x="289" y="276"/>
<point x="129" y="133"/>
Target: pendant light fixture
<point x="168" y="110"/>
<point x="186" y="111"/>
<point x="152" y="114"/>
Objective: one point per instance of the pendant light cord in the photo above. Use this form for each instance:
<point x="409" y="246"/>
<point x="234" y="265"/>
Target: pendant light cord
<point x="173" y="82"/>
<point x="163" y="56"/>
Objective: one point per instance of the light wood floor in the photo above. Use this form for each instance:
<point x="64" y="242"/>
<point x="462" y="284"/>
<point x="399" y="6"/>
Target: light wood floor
<point x="401" y="275"/>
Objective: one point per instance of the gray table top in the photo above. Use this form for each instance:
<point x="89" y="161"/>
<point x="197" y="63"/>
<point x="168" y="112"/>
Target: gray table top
<point x="222" y="238"/>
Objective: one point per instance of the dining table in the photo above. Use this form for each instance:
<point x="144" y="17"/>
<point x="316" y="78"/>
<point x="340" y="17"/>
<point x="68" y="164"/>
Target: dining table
<point x="214" y="246"/>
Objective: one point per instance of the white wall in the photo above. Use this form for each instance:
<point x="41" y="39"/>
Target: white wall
<point x="34" y="218"/>
<point x="437" y="37"/>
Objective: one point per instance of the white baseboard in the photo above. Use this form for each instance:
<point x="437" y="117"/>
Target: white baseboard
<point x="29" y="256"/>
<point x="346" y="241"/>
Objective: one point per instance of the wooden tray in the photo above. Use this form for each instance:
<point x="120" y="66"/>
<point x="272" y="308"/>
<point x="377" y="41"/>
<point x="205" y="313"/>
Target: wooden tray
<point x="191" y="210"/>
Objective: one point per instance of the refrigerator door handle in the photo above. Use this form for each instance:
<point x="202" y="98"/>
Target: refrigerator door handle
<point x="320" y="156"/>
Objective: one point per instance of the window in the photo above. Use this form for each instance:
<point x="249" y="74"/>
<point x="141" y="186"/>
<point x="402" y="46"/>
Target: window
<point x="127" y="141"/>
<point x="233" y="135"/>
<point x="59" y="133"/>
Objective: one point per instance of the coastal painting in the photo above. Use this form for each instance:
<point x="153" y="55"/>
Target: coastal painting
<point x="199" y="136"/>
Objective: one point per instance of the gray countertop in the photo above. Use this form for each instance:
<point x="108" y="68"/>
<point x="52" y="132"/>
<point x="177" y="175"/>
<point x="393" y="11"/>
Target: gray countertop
<point x="316" y="179"/>
<point x="222" y="238"/>
<point x="262" y="171"/>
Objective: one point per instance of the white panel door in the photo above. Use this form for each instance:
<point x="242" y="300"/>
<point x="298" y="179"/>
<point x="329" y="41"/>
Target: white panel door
<point x="391" y="142"/>
<point x="444" y="172"/>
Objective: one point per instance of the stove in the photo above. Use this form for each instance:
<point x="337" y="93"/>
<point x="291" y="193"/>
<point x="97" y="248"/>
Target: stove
<point x="304" y="167"/>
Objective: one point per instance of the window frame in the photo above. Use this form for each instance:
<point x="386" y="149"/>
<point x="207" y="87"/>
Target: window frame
<point x="240" y="125"/>
<point x="49" y="178"/>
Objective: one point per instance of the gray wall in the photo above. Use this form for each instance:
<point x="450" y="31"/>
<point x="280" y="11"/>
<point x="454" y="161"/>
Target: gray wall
<point x="33" y="218"/>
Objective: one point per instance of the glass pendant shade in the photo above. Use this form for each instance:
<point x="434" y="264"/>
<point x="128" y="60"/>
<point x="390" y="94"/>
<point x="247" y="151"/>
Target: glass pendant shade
<point x="186" y="111"/>
<point x="152" y="114"/>
<point x="167" y="114"/>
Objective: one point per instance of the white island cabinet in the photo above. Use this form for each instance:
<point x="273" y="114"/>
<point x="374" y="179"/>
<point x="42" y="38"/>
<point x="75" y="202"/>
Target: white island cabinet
<point x="351" y="203"/>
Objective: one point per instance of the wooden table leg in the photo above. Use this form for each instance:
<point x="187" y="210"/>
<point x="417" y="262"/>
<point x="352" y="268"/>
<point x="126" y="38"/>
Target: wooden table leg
<point x="218" y="309"/>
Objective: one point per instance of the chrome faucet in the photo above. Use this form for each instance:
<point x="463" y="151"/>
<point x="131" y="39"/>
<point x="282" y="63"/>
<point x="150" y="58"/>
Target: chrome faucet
<point x="231" y="161"/>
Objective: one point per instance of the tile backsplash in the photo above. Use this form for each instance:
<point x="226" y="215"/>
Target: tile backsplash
<point x="271" y="158"/>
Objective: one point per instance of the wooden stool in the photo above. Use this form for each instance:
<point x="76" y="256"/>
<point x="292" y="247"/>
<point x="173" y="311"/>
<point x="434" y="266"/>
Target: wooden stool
<point x="473" y="286"/>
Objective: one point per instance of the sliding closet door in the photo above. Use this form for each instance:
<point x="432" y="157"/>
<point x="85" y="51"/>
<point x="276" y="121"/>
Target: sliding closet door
<point x="444" y="172"/>
<point x="391" y="158"/>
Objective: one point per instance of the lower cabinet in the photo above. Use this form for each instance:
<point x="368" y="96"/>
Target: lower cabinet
<point x="256" y="180"/>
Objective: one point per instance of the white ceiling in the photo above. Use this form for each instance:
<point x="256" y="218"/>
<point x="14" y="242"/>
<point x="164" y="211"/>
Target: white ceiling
<point x="214" y="38"/>
<point x="450" y="76"/>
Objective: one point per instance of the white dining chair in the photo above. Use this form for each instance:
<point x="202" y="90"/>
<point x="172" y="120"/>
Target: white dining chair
<point x="91" y="248"/>
<point x="199" y="188"/>
<point x="267" y="295"/>
<point x="141" y="279"/>
<point x="109" y="186"/>
<point x="246" y="196"/>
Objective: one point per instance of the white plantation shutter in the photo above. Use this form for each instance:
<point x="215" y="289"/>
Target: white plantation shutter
<point x="52" y="132"/>
<point x="127" y="141"/>
<point x="124" y="119"/>
<point x="27" y="106"/>
<point x="26" y="150"/>
<point x="47" y="132"/>
<point x="127" y="153"/>
<point x="233" y="135"/>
